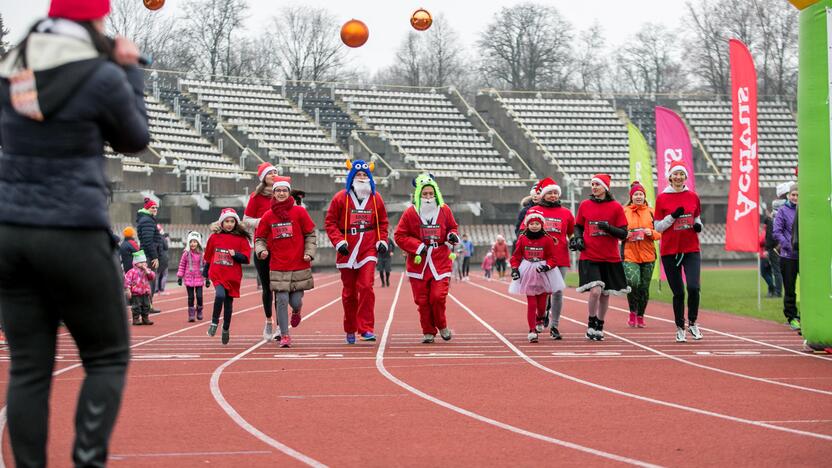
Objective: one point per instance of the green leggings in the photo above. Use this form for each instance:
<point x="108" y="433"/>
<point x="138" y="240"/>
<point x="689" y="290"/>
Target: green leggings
<point x="638" y="279"/>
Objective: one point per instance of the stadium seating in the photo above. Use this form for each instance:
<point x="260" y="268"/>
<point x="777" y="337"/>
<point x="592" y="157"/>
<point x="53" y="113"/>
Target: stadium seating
<point x="432" y="134"/>
<point x="319" y="103"/>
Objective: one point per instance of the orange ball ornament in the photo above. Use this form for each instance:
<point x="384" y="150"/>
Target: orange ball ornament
<point x="154" y="4"/>
<point x="421" y="19"/>
<point x="354" y="33"/>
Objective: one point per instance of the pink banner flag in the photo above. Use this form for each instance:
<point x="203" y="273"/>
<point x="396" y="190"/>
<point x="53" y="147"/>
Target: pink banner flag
<point x="743" y="219"/>
<point x="672" y="146"/>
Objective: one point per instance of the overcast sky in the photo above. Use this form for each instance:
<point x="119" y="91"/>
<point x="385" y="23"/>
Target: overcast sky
<point x="389" y="20"/>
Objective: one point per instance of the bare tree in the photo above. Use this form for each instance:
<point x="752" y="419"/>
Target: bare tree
<point x="247" y="59"/>
<point x="527" y="47"/>
<point x="305" y="40"/>
<point x="778" y="30"/>
<point x="153" y="32"/>
<point x="442" y="54"/>
<point x="4" y="32"/>
<point x="409" y="67"/>
<point x="706" y="47"/>
<point x="649" y="63"/>
<point x="209" y="28"/>
<point x="590" y="63"/>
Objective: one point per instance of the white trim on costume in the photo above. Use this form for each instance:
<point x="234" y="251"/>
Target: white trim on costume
<point x="590" y="285"/>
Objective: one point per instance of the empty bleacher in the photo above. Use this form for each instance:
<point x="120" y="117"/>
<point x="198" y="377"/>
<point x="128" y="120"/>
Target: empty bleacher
<point x="319" y="103"/>
<point x="776" y="133"/>
<point x="432" y="134"/>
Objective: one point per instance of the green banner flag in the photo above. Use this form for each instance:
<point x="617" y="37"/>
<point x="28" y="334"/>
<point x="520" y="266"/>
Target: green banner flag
<point x="642" y="171"/>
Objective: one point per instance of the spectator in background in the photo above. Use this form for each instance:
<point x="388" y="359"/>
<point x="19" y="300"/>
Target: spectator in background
<point x="129" y="246"/>
<point x="500" y="251"/>
<point x="532" y="200"/>
<point x="385" y="264"/>
<point x="150" y="239"/>
<point x="765" y="266"/>
<point x="164" y="261"/>
<point x="789" y="265"/>
<point x="88" y="91"/>
<point x="488" y="265"/>
<point x="466" y="256"/>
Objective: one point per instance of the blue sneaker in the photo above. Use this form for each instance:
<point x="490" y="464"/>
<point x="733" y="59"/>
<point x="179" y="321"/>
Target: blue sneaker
<point x="368" y="336"/>
<point x="350" y="338"/>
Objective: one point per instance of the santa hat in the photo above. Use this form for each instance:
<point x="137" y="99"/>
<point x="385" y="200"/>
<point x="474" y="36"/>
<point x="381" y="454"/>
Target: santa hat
<point x="128" y="232"/>
<point x="636" y="187"/>
<point x="357" y="166"/>
<point x="533" y="215"/>
<point x="149" y="203"/>
<point x="678" y="167"/>
<point x="604" y="179"/>
<point x="783" y="189"/>
<point x="193" y="235"/>
<point x="263" y="170"/>
<point x="420" y="182"/>
<point x="79" y="10"/>
<point x="548" y="185"/>
<point x="281" y="181"/>
<point x="534" y="189"/>
<point x="228" y="213"/>
<point x="139" y="257"/>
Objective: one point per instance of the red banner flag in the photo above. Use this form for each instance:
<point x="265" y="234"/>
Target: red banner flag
<point x="743" y="220"/>
<point x="672" y="147"/>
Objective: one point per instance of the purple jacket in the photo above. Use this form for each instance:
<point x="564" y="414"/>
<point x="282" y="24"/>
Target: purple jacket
<point x="782" y="232"/>
<point x="190" y="269"/>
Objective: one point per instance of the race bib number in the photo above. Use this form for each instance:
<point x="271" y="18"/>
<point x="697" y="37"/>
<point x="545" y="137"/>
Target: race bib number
<point x="360" y="218"/>
<point x="636" y="235"/>
<point x="430" y="233"/>
<point x="533" y="254"/>
<point x="553" y="225"/>
<point x="683" y="222"/>
<point x="595" y="231"/>
<point x="282" y="230"/>
<point x="222" y="257"/>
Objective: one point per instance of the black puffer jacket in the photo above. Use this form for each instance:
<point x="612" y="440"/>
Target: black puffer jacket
<point x="149" y="236"/>
<point x="52" y="171"/>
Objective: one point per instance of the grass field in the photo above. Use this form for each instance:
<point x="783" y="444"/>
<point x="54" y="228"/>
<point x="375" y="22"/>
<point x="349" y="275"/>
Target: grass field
<point x="727" y="290"/>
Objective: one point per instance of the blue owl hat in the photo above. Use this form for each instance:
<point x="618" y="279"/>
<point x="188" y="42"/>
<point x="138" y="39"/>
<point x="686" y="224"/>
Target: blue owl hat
<point x="360" y="166"/>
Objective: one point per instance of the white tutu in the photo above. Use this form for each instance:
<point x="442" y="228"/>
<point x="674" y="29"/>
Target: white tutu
<point x="533" y="283"/>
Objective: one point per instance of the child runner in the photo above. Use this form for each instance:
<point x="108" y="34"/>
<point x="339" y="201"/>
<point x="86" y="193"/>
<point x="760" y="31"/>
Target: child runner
<point x="226" y="251"/>
<point x="639" y="253"/>
<point x="677" y="218"/>
<point x="286" y="236"/>
<point x="190" y="272"/>
<point x="137" y="288"/>
<point x="599" y="225"/>
<point x="426" y="231"/>
<point x="500" y="250"/>
<point x="488" y="265"/>
<point x="533" y="271"/>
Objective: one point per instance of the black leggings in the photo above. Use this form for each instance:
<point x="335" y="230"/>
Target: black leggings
<point x="673" y="265"/>
<point x="790" y="268"/>
<point x="92" y="307"/>
<point x="262" y="267"/>
<point x="466" y="266"/>
<point x="222" y="300"/>
<point x="194" y="290"/>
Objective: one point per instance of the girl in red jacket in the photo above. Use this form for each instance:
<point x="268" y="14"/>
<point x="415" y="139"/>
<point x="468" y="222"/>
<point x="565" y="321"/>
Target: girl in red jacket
<point x="599" y="226"/>
<point x="286" y="236"/>
<point x="425" y="231"/>
<point x="225" y="252"/>
<point x="533" y="271"/>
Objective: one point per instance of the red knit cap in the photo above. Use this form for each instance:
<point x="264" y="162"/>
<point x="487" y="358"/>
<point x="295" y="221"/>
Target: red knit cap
<point x="79" y="10"/>
<point x="149" y="203"/>
<point x="263" y="170"/>
<point x="636" y="187"/>
<point x="603" y="179"/>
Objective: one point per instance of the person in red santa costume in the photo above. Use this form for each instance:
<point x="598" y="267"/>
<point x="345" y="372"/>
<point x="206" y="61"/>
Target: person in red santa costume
<point x="560" y="225"/>
<point x="426" y="232"/>
<point x="356" y="223"/>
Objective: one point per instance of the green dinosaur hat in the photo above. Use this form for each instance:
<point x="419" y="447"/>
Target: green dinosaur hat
<point x="420" y="182"/>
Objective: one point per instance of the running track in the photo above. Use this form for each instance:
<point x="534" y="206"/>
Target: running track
<point x="745" y="395"/>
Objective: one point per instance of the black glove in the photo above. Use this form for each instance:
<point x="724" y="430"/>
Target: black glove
<point x="453" y="238"/>
<point x="207" y="283"/>
<point x="577" y="244"/>
<point x="515" y="274"/>
<point x="604" y="226"/>
<point x="678" y="212"/>
<point x="697" y="227"/>
<point x="343" y="250"/>
<point x="382" y="250"/>
<point x="543" y="268"/>
<point x="179" y="281"/>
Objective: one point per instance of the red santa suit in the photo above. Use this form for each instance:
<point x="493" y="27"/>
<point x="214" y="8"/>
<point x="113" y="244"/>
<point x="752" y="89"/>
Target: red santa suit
<point x="361" y="226"/>
<point x="429" y="279"/>
<point x="223" y="269"/>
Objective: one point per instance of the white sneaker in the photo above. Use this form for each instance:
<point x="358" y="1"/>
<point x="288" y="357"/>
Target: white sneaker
<point x="445" y="333"/>
<point x="680" y="335"/>
<point x="694" y="331"/>
<point x="268" y="331"/>
<point x="532" y="337"/>
<point x="428" y="338"/>
<point x="590" y="333"/>
<point x="539" y="328"/>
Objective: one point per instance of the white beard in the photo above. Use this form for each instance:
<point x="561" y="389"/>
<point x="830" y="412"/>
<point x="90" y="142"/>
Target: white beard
<point x="429" y="210"/>
<point x="362" y="189"/>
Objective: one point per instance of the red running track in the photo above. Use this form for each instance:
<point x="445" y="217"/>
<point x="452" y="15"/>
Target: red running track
<point x="746" y="394"/>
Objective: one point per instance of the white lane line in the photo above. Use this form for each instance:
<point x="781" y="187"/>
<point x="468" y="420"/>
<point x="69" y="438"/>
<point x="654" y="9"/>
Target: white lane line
<point x="798" y="421"/>
<point x="516" y="430"/>
<point x="188" y="454"/>
<point x="633" y="395"/>
<point x="75" y="366"/>
<point x="685" y="361"/>
<point x="240" y="421"/>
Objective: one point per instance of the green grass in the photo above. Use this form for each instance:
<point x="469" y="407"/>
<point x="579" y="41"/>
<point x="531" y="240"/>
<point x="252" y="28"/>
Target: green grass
<point x="728" y="290"/>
